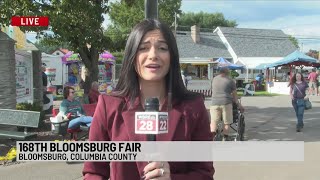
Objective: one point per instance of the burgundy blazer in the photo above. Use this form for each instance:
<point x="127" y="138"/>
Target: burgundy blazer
<point x="114" y="121"/>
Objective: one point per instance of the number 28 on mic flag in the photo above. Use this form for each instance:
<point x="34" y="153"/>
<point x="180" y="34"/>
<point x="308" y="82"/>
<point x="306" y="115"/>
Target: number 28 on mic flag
<point x="151" y="122"/>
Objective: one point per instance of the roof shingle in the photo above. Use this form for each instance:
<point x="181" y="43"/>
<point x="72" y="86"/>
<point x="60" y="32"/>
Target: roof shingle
<point x="258" y="42"/>
<point x="210" y="46"/>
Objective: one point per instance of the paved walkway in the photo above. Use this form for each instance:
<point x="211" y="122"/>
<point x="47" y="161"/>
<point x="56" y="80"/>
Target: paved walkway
<point x="267" y="119"/>
<point x="273" y="119"/>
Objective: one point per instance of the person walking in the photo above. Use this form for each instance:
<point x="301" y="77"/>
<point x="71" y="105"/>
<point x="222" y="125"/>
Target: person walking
<point x="224" y="93"/>
<point x="259" y="79"/>
<point x="298" y="88"/>
<point x="313" y="83"/>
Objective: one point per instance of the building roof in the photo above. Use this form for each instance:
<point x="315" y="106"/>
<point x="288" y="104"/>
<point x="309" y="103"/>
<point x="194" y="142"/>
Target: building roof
<point x="210" y="46"/>
<point x="29" y="46"/>
<point x="64" y="51"/>
<point x="258" y="42"/>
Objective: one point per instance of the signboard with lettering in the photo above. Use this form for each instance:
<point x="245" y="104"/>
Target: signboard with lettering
<point x="23" y="76"/>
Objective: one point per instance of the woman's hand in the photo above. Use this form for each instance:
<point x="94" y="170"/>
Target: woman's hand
<point x="291" y="95"/>
<point x="157" y="171"/>
<point x="241" y="108"/>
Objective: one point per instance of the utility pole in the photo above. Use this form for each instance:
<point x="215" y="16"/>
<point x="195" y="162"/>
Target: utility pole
<point x="151" y="9"/>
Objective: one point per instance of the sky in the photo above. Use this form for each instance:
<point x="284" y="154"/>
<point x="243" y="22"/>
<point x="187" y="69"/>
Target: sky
<point x="300" y="19"/>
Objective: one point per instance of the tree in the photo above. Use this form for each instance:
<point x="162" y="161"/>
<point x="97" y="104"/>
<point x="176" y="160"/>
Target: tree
<point x="118" y="37"/>
<point x="44" y="47"/>
<point x="207" y="21"/>
<point x="234" y="74"/>
<point x="124" y="15"/>
<point x="76" y="22"/>
<point x="313" y="53"/>
<point x="294" y="41"/>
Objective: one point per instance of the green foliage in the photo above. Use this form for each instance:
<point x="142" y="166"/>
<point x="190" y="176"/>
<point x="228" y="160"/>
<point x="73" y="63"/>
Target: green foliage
<point x="125" y="14"/>
<point x="29" y="107"/>
<point x="9" y="8"/>
<point x="207" y="21"/>
<point x="118" y="37"/>
<point x="234" y="74"/>
<point x="313" y="53"/>
<point x="79" y="23"/>
<point x="294" y="41"/>
<point x="118" y="56"/>
<point x="47" y="48"/>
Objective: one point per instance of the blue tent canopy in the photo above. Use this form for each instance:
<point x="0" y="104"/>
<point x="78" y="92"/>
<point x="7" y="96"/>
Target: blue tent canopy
<point x="295" y="58"/>
<point x="225" y="63"/>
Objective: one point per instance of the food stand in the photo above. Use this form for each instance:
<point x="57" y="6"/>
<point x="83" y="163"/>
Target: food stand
<point x="106" y="68"/>
<point x="292" y="61"/>
<point x="198" y="74"/>
<point x="106" y="72"/>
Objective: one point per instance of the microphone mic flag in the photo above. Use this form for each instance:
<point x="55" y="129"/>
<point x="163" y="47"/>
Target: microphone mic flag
<point x="151" y="121"/>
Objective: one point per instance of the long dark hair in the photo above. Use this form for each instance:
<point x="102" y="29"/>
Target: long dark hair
<point x="128" y="84"/>
<point x="293" y="80"/>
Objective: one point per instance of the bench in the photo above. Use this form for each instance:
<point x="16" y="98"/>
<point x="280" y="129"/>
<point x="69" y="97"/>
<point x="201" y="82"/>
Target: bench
<point x="26" y="119"/>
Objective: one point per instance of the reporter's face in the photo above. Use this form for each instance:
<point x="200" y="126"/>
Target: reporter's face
<point x="153" y="57"/>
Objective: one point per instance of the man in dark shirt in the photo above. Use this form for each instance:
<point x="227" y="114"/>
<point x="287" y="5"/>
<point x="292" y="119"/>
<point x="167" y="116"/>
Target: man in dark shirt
<point x="44" y="77"/>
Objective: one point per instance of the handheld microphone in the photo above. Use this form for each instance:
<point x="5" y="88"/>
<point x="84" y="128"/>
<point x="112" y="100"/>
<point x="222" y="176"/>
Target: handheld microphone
<point x="151" y="105"/>
<point x="151" y="122"/>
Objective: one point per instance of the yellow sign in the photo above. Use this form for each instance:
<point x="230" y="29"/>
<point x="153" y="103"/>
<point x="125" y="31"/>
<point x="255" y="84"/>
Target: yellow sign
<point x="15" y="33"/>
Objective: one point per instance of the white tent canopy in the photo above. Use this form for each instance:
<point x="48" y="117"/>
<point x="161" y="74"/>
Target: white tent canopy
<point x="253" y="62"/>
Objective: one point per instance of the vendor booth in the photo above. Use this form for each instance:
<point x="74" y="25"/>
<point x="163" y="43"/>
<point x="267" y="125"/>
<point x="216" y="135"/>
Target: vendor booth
<point x="221" y="62"/>
<point x="75" y="66"/>
<point x="198" y="74"/>
<point x="291" y="63"/>
<point x="73" y="74"/>
<point x="106" y="72"/>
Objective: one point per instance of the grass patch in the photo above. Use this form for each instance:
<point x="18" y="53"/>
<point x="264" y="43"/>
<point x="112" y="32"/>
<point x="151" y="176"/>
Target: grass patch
<point x="260" y="93"/>
<point x="58" y="98"/>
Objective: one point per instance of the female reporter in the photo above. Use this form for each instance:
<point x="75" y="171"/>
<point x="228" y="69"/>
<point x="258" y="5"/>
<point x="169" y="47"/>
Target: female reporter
<point x="150" y="69"/>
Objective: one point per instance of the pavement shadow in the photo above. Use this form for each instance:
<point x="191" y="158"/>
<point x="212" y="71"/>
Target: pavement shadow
<point x="279" y="124"/>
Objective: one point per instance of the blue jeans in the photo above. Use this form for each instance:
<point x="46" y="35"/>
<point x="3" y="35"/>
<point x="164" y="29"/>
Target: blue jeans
<point x="299" y="105"/>
<point x="75" y="123"/>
